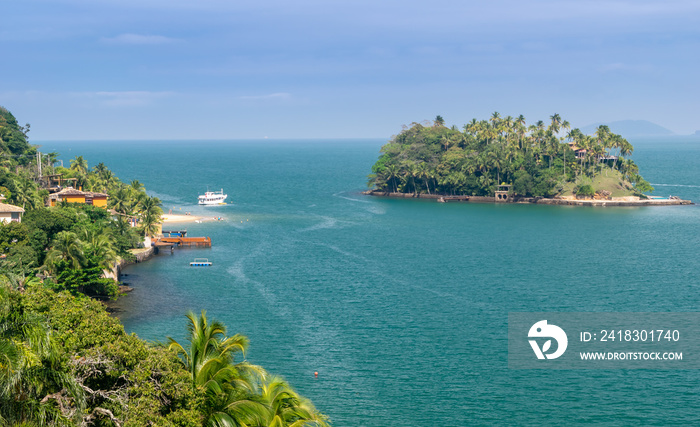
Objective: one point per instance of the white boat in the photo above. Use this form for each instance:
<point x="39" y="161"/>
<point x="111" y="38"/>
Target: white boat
<point x="200" y="262"/>
<point x="213" y="198"/>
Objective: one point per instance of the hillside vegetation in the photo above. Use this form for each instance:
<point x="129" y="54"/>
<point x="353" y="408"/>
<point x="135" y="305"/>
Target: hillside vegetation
<point x="537" y="160"/>
<point x="64" y="361"/>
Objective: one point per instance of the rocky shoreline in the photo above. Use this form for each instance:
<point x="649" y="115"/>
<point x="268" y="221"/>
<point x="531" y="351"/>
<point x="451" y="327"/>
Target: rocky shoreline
<point x="626" y="201"/>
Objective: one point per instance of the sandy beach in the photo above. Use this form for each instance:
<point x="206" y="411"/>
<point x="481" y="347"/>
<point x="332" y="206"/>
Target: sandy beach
<point x="169" y="218"/>
<point x="173" y="218"/>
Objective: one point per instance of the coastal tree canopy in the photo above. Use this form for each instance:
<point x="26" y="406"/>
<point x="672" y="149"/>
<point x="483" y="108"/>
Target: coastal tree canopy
<point x="536" y="160"/>
<point x="64" y="360"/>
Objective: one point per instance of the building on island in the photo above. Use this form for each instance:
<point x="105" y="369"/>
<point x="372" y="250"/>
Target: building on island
<point x="503" y="193"/>
<point x="55" y="182"/>
<point x="71" y="195"/>
<point x="580" y="152"/>
<point x="10" y="213"/>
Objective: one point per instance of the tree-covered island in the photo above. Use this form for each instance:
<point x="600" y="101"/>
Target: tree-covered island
<point x="539" y="160"/>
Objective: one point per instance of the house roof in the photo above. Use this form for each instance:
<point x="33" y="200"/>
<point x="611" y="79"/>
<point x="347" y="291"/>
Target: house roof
<point x="4" y="207"/>
<point x="70" y="191"/>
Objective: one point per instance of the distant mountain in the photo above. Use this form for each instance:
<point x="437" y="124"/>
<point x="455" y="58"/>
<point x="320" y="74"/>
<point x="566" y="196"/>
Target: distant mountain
<point x="630" y="128"/>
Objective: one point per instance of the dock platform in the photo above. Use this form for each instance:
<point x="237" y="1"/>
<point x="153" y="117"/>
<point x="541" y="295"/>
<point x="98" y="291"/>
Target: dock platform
<point x="177" y="242"/>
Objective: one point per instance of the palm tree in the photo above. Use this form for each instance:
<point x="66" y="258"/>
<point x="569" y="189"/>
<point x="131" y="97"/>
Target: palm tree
<point x="495" y="118"/>
<point x="107" y="179"/>
<point x="136" y="185"/>
<point x="30" y="369"/>
<point x="79" y="164"/>
<point x="65" y="247"/>
<point x="410" y="176"/>
<point x="121" y="201"/>
<point x="393" y="175"/>
<point x="101" y="246"/>
<point x="150" y="211"/>
<point x="556" y="123"/>
<point x="287" y="408"/>
<point x="520" y="130"/>
<point x="24" y="193"/>
<point x="424" y="174"/>
<point x="226" y="385"/>
<point x="445" y="141"/>
<point x="51" y="159"/>
<point x="100" y="168"/>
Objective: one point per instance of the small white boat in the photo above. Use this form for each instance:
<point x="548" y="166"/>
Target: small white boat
<point x="213" y="198"/>
<point x="200" y="262"/>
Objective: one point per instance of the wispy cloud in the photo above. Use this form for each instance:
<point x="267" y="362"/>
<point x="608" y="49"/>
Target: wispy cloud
<point x="128" y="98"/>
<point x="271" y="96"/>
<point x="138" y="39"/>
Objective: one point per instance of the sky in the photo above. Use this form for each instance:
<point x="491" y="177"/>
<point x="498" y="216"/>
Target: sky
<point x="236" y="69"/>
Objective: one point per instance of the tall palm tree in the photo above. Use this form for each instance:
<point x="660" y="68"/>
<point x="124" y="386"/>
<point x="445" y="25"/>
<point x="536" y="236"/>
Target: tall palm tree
<point x="410" y="175"/>
<point x="226" y="385"/>
<point x="79" y="164"/>
<point x="151" y="212"/>
<point x="495" y="118"/>
<point x="65" y="247"/>
<point x="24" y="193"/>
<point x="424" y="174"/>
<point x="393" y="175"/>
<point x="51" y="159"/>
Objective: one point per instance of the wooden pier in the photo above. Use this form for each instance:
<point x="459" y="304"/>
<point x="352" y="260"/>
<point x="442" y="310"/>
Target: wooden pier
<point x="177" y="242"/>
<point x="204" y="242"/>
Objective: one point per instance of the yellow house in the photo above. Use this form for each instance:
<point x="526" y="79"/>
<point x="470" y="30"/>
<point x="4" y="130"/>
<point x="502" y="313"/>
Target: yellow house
<point x="71" y="195"/>
<point x="10" y="213"/>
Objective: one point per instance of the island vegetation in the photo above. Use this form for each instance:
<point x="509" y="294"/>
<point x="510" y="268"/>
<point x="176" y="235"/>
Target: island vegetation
<point x="64" y="361"/>
<point x="539" y="160"/>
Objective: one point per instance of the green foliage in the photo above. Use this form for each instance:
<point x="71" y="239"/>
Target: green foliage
<point x="13" y="138"/>
<point x="584" y="190"/>
<point x="119" y="374"/>
<point x="66" y="361"/>
<point x="535" y="159"/>
<point x="51" y="221"/>
<point x="237" y="393"/>
<point x="640" y="184"/>
<point x="87" y="279"/>
<point x="35" y="382"/>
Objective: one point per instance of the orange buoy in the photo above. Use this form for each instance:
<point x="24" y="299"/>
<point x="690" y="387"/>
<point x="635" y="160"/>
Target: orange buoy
<point x="316" y="374"/>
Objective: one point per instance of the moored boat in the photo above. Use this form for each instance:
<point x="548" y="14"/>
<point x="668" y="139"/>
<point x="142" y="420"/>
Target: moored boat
<point x="213" y="198"/>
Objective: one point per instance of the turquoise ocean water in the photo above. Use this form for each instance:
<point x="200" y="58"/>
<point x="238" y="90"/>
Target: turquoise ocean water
<point x="402" y="305"/>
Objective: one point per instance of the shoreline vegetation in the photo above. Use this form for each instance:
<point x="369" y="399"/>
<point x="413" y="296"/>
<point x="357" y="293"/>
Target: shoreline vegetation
<point x="503" y="160"/>
<point x="64" y="360"/>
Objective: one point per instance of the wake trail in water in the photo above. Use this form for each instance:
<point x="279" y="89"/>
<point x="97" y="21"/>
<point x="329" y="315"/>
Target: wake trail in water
<point x="676" y="185"/>
<point x="237" y="270"/>
<point x="350" y="198"/>
<point x="326" y="223"/>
